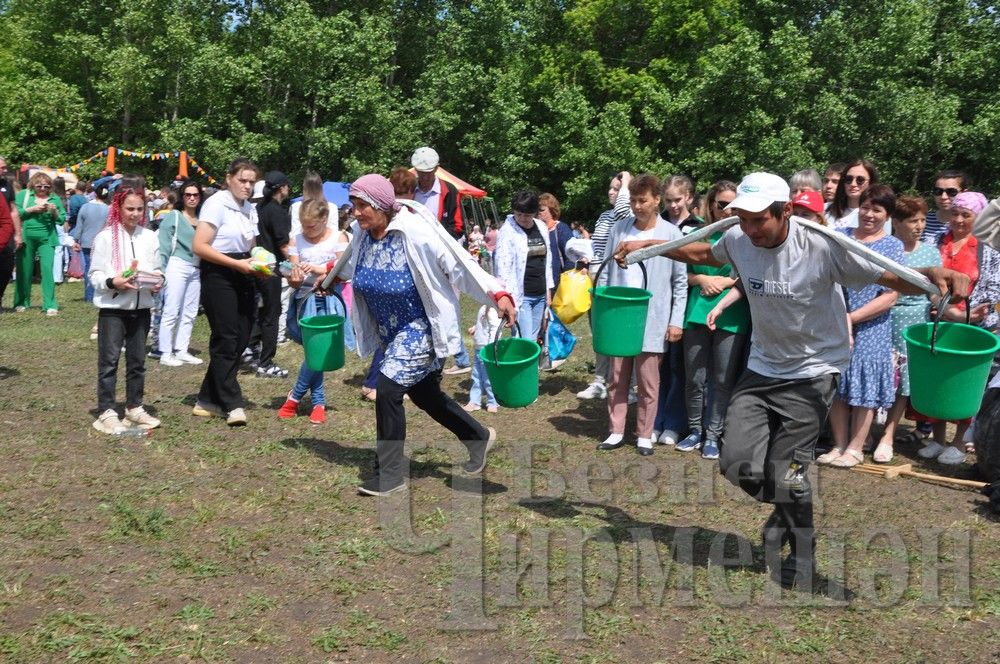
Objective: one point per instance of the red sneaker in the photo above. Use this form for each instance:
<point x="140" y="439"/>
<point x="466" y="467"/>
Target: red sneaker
<point x="318" y="415"/>
<point x="288" y="409"/>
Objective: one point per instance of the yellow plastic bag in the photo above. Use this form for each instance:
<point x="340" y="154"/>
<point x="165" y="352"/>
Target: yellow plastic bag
<point x="572" y="298"/>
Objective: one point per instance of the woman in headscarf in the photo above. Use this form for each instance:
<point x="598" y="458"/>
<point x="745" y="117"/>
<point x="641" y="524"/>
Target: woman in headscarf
<point x="406" y="274"/>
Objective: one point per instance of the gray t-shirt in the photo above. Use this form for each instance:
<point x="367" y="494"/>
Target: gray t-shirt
<point x="796" y="302"/>
<point x="89" y="221"/>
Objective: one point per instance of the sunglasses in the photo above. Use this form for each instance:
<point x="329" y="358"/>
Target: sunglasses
<point x="722" y="204"/>
<point x="951" y="191"/>
<point x="859" y="179"/>
<point x="192" y="195"/>
<point x="43" y="186"/>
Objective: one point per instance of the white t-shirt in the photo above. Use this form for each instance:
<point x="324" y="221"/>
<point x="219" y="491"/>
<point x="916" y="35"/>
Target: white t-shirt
<point x="319" y="253"/>
<point x="633" y="275"/>
<point x="332" y="221"/>
<point x="235" y="224"/>
<point x="796" y="300"/>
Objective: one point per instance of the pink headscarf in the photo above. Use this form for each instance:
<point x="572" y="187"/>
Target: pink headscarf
<point x="970" y="200"/>
<point x="375" y="190"/>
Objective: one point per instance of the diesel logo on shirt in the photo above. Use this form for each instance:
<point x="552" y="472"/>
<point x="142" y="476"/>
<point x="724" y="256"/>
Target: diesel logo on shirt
<point x="768" y="288"/>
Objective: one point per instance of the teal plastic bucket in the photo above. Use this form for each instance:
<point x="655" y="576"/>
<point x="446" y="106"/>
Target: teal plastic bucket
<point x="512" y="366"/>
<point x="323" y="341"/>
<point x="618" y="317"/>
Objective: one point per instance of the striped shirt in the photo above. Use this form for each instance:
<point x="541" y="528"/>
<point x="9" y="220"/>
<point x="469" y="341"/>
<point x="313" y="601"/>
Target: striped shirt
<point x="934" y="229"/>
<point x="602" y="227"/>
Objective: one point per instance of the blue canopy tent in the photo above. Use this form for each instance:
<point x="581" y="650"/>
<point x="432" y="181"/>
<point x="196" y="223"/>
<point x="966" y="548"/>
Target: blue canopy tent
<point x="334" y="192"/>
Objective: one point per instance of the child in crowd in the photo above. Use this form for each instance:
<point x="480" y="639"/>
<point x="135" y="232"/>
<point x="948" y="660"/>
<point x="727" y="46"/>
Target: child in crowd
<point x="483" y="333"/>
<point x="312" y="252"/>
<point x="125" y="273"/>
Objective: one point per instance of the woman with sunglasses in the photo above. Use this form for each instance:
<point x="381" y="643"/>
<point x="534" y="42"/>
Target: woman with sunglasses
<point x="40" y="211"/>
<point x="855" y="179"/>
<point x="180" y="265"/>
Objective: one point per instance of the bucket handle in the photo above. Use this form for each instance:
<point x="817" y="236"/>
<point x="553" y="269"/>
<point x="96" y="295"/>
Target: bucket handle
<point x="942" y="303"/>
<point x="302" y="303"/>
<point x="597" y="277"/>
<point x="496" y="338"/>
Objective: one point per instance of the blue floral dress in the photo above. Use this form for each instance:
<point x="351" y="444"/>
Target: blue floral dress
<point x="383" y="278"/>
<point x="911" y="310"/>
<point x="869" y="381"/>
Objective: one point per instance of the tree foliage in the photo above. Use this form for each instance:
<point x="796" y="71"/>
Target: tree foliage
<point x="555" y="94"/>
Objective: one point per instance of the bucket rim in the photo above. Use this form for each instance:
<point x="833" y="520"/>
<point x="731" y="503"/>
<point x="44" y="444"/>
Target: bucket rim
<point x="328" y="325"/>
<point x="953" y="351"/>
<point x="536" y="352"/>
<point x="639" y="293"/>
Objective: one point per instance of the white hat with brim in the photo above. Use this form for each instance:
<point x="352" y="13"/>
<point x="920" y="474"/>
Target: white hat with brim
<point x="757" y="191"/>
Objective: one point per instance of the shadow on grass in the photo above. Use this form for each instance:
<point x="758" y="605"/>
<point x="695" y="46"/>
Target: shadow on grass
<point x="363" y="458"/>
<point x="9" y="372"/>
<point x="588" y="420"/>
<point x="690" y="545"/>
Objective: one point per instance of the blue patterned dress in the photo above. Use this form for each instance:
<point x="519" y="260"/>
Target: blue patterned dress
<point x="383" y="278"/>
<point x="911" y="310"/>
<point x="869" y="381"/>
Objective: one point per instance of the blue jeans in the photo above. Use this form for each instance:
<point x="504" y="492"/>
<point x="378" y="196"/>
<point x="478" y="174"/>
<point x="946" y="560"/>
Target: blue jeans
<point x="530" y="315"/>
<point x="349" y="341"/>
<point x="462" y="357"/>
<point x="481" y="383"/>
<point x="310" y="380"/>
<point x="671" y="409"/>
<point x="88" y="290"/>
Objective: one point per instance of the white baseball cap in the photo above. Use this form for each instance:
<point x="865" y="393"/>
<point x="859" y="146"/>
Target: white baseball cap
<point x="758" y="190"/>
<point x="425" y="159"/>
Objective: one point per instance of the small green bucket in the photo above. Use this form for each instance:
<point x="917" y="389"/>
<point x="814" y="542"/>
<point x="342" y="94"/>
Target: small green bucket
<point x="949" y="365"/>
<point x="618" y="317"/>
<point x="323" y="339"/>
<point x="512" y="366"/>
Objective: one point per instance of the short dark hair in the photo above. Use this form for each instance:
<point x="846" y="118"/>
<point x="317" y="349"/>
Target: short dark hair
<point x="951" y="174"/>
<point x="646" y="183"/>
<point x="836" y="167"/>
<point x="881" y="195"/>
<point x="908" y="206"/>
<point x="242" y="164"/>
<point x="777" y="209"/>
<point x="525" y="202"/>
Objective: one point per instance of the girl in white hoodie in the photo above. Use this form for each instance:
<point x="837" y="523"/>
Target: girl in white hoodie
<point x="125" y="273"/>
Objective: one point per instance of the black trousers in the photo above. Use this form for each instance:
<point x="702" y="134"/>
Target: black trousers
<point x="228" y="299"/>
<point x="390" y="420"/>
<point x="267" y="317"/>
<point x="771" y="429"/>
<point x="7" y="267"/>
<point x="116" y="328"/>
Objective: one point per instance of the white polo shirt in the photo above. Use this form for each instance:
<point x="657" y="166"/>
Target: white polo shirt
<point x="235" y="224"/>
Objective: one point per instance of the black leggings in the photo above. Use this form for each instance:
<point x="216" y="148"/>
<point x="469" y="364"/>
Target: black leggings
<point x="228" y="299"/>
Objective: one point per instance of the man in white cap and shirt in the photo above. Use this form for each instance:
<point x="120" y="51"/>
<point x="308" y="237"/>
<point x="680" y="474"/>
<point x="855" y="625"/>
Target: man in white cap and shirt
<point x="792" y="278"/>
<point x="441" y="198"/>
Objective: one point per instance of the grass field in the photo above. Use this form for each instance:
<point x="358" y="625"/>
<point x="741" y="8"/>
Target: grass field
<point x="251" y="545"/>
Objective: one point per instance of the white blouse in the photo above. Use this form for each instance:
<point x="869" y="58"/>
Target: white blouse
<point x="235" y="224"/>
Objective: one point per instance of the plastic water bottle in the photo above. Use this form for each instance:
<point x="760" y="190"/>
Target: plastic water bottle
<point x="134" y="432"/>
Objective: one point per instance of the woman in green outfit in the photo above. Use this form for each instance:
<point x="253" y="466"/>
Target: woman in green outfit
<point x="40" y="211"/>
<point x="717" y="347"/>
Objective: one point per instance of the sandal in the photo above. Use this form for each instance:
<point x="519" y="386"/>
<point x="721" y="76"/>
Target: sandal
<point x="848" y="459"/>
<point x="829" y="457"/>
<point x="883" y="453"/>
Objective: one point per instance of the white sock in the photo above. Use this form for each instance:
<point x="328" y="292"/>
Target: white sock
<point x="646" y="443"/>
<point x="614" y="439"/>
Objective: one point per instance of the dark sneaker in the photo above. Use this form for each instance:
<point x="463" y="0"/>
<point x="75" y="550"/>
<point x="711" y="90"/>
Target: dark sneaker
<point x="478" y="451"/>
<point x="372" y="487"/>
<point x="710" y="450"/>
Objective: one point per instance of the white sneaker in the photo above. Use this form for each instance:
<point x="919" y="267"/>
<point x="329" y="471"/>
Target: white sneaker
<point x="668" y="438"/>
<point x="51" y="312"/>
<point x="952" y="456"/>
<point x="139" y="417"/>
<point x="236" y="418"/>
<point x="188" y="358"/>
<point x="595" y="390"/>
<point x="168" y="360"/>
<point x="931" y="450"/>
<point x="19" y="310"/>
<point x="93" y="333"/>
<point x="108" y="422"/>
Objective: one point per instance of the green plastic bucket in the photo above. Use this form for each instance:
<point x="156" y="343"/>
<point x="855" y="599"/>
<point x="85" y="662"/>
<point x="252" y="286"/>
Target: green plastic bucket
<point x="949" y="368"/>
<point x="323" y="341"/>
<point x="512" y="366"/>
<point x="323" y="338"/>
<point x="618" y="317"/>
